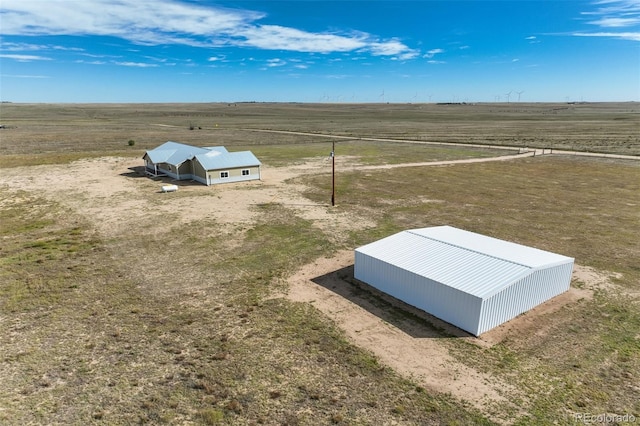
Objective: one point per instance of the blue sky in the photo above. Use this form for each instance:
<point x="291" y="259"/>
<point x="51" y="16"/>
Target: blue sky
<point x="319" y="51"/>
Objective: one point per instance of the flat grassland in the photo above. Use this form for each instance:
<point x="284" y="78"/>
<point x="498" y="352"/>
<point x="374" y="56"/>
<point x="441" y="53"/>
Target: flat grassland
<point x="236" y="304"/>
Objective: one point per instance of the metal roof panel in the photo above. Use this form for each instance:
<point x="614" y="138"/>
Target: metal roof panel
<point x="469" y="262"/>
<point x="229" y="160"/>
<point x="174" y="153"/>
<point x="211" y="158"/>
<point x="501" y="249"/>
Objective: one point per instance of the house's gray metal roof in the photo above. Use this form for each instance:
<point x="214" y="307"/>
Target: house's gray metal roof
<point x="470" y="262"/>
<point x="221" y="149"/>
<point x="174" y="153"/>
<point x="214" y="160"/>
<point x="211" y="158"/>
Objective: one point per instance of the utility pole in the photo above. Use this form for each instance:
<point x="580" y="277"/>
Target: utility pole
<point x="333" y="173"/>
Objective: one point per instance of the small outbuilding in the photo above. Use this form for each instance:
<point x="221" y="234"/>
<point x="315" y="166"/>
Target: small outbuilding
<point x="208" y="165"/>
<point x="472" y="281"/>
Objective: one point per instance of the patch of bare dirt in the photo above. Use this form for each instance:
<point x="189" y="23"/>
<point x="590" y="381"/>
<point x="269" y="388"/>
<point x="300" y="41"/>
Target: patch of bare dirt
<point x="538" y="321"/>
<point x="592" y="279"/>
<point x="111" y="193"/>
<point x="415" y="351"/>
<point x="412" y="351"/>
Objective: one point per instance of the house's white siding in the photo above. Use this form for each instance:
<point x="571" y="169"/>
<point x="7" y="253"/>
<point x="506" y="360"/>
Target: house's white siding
<point x="234" y="175"/>
<point x="473" y="288"/>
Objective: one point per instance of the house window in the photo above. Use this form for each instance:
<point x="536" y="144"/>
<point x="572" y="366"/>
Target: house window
<point x="245" y="172"/>
<point x="224" y="175"/>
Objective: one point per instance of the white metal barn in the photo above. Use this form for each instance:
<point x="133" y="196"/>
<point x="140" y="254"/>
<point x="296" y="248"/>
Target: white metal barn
<point x="470" y="280"/>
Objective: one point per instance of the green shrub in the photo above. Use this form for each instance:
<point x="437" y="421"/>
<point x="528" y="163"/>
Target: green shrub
<point x="211" y="416"/>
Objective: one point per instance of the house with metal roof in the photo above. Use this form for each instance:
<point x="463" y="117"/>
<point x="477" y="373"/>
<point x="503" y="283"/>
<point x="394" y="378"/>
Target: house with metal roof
<point x="207" y="165"/>
<point x="472" y="281"/>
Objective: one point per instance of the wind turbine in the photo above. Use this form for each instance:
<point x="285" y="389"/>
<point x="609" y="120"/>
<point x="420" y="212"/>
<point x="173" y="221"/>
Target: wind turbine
<point x="519" y="93"/>
<point x="382" y="95"/>
<point x="508" y="95"/>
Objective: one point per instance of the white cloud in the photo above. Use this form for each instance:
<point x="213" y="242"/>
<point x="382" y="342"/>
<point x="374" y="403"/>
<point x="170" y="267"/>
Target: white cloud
<point x="216" y="58"/>
<point x="153" y="58"/>
<point x="28" y="47"/>
<point x="277" y="62"/>
<point x="616" y="22"/>
<point x="615" y="14"/>
<point x="136" y="64"/>
<point x="91" y="62"/>
<point x="90" y="55"/>
<point x="24" y="58"/>
<point x="275" y="37"/>
<point x="616" y="8"/>
<point x="408" y="55"/>
<point x="390" y="48"/>
<point x="144" y="21"/>
<point x="433" y="52"/>
<point x="25" y="76"/>
<point x="155" y="22"/>
<point x="633" y="36"/>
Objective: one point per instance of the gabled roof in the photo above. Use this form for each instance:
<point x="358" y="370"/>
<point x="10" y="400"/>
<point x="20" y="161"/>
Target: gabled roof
<point x="216" y="161"/>
<point x="221" y="149"/>
<point x="475" y="264"/>
<point x="174" y="153"/>
<point x="211" y="158"/>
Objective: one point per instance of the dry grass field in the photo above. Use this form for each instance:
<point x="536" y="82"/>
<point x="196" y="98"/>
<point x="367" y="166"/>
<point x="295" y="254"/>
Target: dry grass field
<point x="236" y="304"/>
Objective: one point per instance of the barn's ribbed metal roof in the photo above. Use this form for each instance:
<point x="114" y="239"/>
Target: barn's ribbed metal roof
<point x="469" y="262"/>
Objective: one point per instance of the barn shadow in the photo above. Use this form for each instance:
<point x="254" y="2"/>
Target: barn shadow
<point x="409" y="319"/>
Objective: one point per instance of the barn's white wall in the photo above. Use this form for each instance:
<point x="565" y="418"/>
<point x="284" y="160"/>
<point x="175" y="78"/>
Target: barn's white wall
<point x="474" y="288"/>
<point x="530" y="291"/>
<point x="453" y="306"/>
